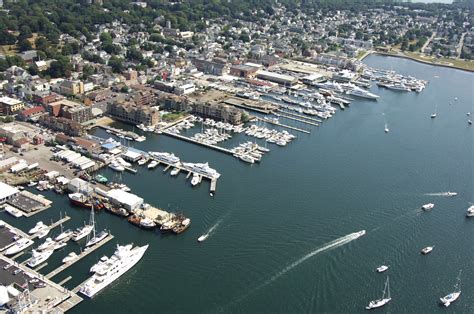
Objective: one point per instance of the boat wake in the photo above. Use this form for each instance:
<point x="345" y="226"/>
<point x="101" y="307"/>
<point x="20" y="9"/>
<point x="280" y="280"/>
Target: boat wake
<point x="214" y="227"/>
<point x="438" y="194"/>
<point x="328" y="246"/>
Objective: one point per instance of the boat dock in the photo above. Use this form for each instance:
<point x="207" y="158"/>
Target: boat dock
<point x="115" y="131"/>
<point x="284" y="125"/>
<point x="52" y="226"/>
<point x="70" y="303"/>
<point x="218" y="148"/>
<point x="132" y="170"/>
<point x="299" y="116"/>
<point x="298" y="119"/>
<point x="84" y="253"/>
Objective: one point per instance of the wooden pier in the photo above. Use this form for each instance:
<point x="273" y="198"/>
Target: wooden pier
<point x="215" y="147"/>
<point x="84" y="253"/>
<point x="284" y="125"/>
<point x="298" y="119"/>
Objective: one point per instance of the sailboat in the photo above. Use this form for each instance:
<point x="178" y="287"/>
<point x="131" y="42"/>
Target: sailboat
<point x="383" y="300"/>
<point x="453" y="296"/>
<point x="435" y="113"/>
<point x="96" y="238"/>
<point x="386" y="126"/>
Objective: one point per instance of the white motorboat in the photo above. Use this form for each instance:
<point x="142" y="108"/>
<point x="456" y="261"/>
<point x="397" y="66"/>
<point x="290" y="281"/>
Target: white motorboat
<point x="114" y="165"/>
<point x="195" y="180"/>
<point x="382" y="268"/>
<point x="433" y="115"/>
<point x="64" y="235"/>
<point x="147" y="223"/>
<point x="39" y="257"/>
<point x="60" y="245"/>
<point x="82" y="232"/>
<point x="169" y="158"/>
<point x="43" y="233"/>
<point x="152" y="164"/>
<point x="361" y="233"/>
<point x="142" y="161"/>
<point x="247" y="158"/>
<point x="97" y="238"/>
<point x="70" y="257"/>
<point x="38" y="227"/>
<point x="175" y="172"/>
<point x="19" y="246"/>
<point x="13" y="211"/>
<point x="450" y="194"/>
<point x="46" y="244"/>
<point x="386" y="129"/>
<point x="470" y="211"/>
<point x="469" y="121"/>
<point x="203" y="238"/>
<point x="383" y="300"/>
<point x="453" y="296"/>
<point x="427" y="250"/>
<point x="428" y="206"/>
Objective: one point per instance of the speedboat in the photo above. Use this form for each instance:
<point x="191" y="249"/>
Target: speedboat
<point x="453" y="296"/>
<point x="361" y="233"/>
<point x="433" y="115"/>
<point x="42" y="233"/>
<point x="383" y="300"/>
<point x="428" y="206"/>
<point x="71" y="256"/>
<point x="38" y="227"/>
<point x="13" y="211"/>
<point x="64" y="235"/>
<point x="203" y="237"/>
<point x="152" y="164"/>
<point x="470" y="211"/>
<point x="450" y="194"/>
<point x="195" y="180"/>
<point x="386" y="130"/>
<point x="427" y="250"/>
<point x="39" y="257"/>
<point x="382" y="268"/>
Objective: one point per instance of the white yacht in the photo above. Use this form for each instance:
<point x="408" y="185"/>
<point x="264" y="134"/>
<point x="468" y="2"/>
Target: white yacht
<point x="42" y="233"/>
<point x="453" y="296"/>
<point x="195" y="180"/>
<point x="383" y="300"/>
<point x="450" y="193"/>
<point x="64" y="235"/>
<point x="70" y="257"/>
<point x="427" y="250"/>
<point x="142" y="161"/>
<point x="59" y="245"/>
<point x="39" y="257"/>
<point x="46" y="244"/>
<point x="124" y="258"/>
<point x="13" y="211"/>
<point x="147" y="223"/>
<point x="175" y="172"/>
<point x="115" y="165"/>
<point x="202" y="168"/>
<point x="382" y="268"/>
<point x="247" y="158"/>
<point x="152" y="164"/>
<point x="38" y="227"/>
<point x="82" y="232"/>
<point x="165" y="157"/>
<point x="470" y="211"/>
<point x="359" y="92"/>
<point x="100" y="265"/>
<point x="428" y="206"/>
<point x="19" y="246"/>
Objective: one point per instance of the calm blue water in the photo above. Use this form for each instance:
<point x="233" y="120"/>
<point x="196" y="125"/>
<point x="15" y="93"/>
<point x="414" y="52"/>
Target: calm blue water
<point x="275" y="219"/>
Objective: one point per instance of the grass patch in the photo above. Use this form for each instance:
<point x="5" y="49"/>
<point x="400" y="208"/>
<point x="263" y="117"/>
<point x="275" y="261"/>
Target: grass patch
<point x="170" y="117"/>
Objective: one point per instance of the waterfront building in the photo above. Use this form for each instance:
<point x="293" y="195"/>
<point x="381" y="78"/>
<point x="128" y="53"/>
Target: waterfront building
<point x="218" y="111"/>
<point x="243" y="70"/>
<point x="9" y="106"/>
<point x="60" y="124"/>
<point x="131" y="113"/>
<point x="282" y="79"/>
<point x="71" y="110"/>
<point x="127" y="200"/>
<point x="6" y="164"/>
<point x="7" y="192"/>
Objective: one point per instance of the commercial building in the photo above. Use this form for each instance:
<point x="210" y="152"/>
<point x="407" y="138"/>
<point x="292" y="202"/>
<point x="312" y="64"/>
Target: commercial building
<point x="243" y="70"/>
<point x="6" y="164"/>
<point x="131" y="113"/>
<point x="7" y="192"/>
<point x="215" y="67"/>
<point x="31" y="114"/>
<point x="218" y="111"/>
<point x="185" y="89"/>
<point x="69" y="87"/>
<point x="127" y="200"/>
<point x="9" y="106"/>
<point x="71" y="110"/>
<point x="282" y="79"/>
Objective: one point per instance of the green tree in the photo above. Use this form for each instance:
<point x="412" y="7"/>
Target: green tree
<point x="116" y="64"/>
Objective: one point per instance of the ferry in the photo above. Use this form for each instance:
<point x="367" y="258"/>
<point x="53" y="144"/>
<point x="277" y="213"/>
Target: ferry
<point x="124" y="258"/>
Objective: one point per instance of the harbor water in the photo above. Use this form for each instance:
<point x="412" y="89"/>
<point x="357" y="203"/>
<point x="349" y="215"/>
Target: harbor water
<point x="282" y="231"/>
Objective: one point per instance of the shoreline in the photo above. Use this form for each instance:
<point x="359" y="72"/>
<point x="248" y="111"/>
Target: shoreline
<point x="413" y="59"/>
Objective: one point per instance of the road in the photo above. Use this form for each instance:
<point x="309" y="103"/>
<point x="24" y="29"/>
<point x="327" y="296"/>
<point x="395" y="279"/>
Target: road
<point x="428" y="42"/>
<point x="461" y="43"/>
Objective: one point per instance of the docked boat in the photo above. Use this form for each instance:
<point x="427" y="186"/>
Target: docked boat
<point x="80" y="199"/>
<point x="122" y="212"/>
<point x="97" y="238"/>
<point x="382" y="268"/>
<point x="124" y="258"/>
<point x="152" y="164"/>
<point x="69" y="258"/>
<point x="427" y="250"/>
<point x="453" y="296"/>
<point x="195" y="180"/>
<point x="64" y="235"/>
<point x="147" y="223"/>
<point x="39" y="257"/>
<point x="383" y="300"/>
<point x="359" y="92"/>
<point x="59" y="245"/>
<point x="13" y="211"/>
<point x="82" y="232"/>
<point x="44" y="232"/>
<point x="142" y="161"/>
<point x="247" y="158"/>
<point x="203" y="238"/>
<point x="100" y="265"/>
<point x="203" y="169"/>
<point x="100" y="178"/>
<point x="40" y="226"/>
<point x="470" y="211"/>
<point x="19" y="246"/>
<point x="169" y="158"/>
<point x="175" y="172"/>
<point x="181" y="226"/>
<point x="115" y="165"/>
<point x="168" y="226"/>
<point x="46" y="244"/>
<point x="428" y="206"/>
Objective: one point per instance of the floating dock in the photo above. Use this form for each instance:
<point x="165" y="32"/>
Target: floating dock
<point x="284" y="125"/>
<point x="298" y="119"/>
<point x="218" y="148"/>
<point x="299" y="116"/>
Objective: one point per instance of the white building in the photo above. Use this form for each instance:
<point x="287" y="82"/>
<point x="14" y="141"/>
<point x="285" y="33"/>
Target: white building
<point x="127" y="200"/>
<point x="7" y="192"/>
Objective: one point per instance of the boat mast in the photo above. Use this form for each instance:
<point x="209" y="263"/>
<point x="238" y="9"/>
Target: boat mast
<point x="388" y="287"/>
<point x="92" y="220"/>
<point x="457" y="287"/>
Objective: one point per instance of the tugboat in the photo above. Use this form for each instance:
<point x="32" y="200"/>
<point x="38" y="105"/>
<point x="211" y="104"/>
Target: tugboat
<point x="181" y="226"/>
<point x="80" y="199"/>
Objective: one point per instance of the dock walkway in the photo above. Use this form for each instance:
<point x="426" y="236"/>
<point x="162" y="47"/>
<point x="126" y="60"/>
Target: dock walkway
<point x="218" y="148"/>
<point x="284" y="125"/>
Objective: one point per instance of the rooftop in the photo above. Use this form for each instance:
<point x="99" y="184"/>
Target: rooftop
<point x="9" y="101"/>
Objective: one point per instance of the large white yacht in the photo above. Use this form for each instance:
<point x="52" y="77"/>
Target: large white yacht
<point x="39" y="257"/>
<point x="165" y="157"/>
<point x="362" y="93"/>
<point x="203" y="169"/>
<point x="40" y="226"/>
<point x="124" y="258"/>
<point x="19" y="246"/>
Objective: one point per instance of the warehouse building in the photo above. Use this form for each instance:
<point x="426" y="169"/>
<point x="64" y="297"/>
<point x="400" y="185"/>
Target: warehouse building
<point x="127" y="200"/>
<point x="7" y="192"/>
<point x="282" y="79"/>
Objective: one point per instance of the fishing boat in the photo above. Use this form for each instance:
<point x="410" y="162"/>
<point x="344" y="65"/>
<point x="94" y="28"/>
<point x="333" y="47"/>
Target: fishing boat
<point x="453" y="296"/>
<point x="147" y="223"/>
<point x="428" y="206"/>
<point x="118" y="211"/>
<point x="182" y="226"/>
<point x="80" y="199"/>
<point x="203" y="238"/>
<point x="383" y="300"/>
<point x="427" y="250"/>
